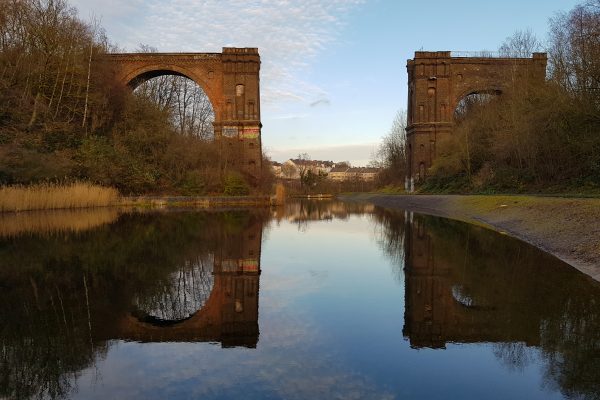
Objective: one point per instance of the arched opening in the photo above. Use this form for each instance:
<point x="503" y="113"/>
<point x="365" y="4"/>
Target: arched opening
<point x="185" y="101"/>
<point x="462" y="297"/>
<point x="472" y="101"/>
<point x="178" y="296"/>
<point x="461" y="294"/>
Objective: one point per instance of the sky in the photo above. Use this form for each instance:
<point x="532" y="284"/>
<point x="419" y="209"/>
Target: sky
<point x="333" y="73"/>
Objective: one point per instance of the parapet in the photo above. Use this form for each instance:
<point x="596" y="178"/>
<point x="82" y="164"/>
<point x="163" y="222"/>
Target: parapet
<point x="240" y="50"/>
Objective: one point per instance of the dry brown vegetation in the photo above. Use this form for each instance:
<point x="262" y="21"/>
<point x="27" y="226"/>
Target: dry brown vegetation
<point x="391" y="154"/>
<point x="55" y="222"/>
<point x="51" y="196"/>
<point x="63" y="114"/>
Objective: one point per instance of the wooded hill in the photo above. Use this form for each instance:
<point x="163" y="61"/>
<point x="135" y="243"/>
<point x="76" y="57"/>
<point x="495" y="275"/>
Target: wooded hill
<point x="63" y="116"/>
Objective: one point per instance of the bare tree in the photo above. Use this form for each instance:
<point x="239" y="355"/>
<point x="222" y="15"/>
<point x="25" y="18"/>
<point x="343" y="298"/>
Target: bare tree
<point x="95" y="24"/>
<point x="186" y="102"/>
<point x="45" y="63"/>
<point x="391" y="153"/>
<point x="522" y="44"/>
<point x="303" y="162"/>
<point x="575" y="50"/>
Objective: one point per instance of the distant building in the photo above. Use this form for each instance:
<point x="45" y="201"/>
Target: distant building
<point x="339" y="173"/>
<point x="346" y="173"/>
<point x="367" y="174"/>
<point x="276" y="168"/>
<point x="292" y="168"/>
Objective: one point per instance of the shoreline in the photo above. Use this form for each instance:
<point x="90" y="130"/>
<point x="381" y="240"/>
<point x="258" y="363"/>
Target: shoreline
<point x="196" y="201"/>
<point x="159" y="202"/>
<point x="567" y="228"/>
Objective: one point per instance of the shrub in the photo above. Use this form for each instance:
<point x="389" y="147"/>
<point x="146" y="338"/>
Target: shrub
<point x="235" y="185"/>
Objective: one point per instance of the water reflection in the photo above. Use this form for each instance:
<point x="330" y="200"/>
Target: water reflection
<point x="146" y="277"/>
<point x="55" y="221"/>
<point x="68" y="295"/>
<point x="465" y="284"/>
<point x="302" y="212"/>
<point x="178" y="297"/>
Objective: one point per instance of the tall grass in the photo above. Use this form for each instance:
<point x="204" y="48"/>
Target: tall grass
<point x="56" y="196"/>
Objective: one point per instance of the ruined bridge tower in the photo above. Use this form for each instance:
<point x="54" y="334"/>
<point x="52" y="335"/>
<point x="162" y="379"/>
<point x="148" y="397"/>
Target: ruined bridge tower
<point x="230" y="80"/>
<point x="437" y="82"/>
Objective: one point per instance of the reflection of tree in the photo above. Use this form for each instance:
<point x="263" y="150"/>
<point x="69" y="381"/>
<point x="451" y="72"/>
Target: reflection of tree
<point x="466" y="284"/>
<point x="181" y="294"/>
<point x="303" y="212"/>
<point x="390" y="236"/>
<point x="188" y="106"/>
<point x="45" y="338"/>
<point x="571" y="343"/>
<point x="61" y="296"/>
<point x="514" y="355"/>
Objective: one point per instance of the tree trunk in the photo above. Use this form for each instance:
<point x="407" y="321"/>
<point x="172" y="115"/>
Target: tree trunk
<point x="87" y="87"/>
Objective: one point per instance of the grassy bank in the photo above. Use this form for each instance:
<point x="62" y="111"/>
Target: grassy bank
<point x="56" y="196"/>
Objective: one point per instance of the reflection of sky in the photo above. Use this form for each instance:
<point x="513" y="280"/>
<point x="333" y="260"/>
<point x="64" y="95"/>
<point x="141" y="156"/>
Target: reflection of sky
<point x="331" y="318"/>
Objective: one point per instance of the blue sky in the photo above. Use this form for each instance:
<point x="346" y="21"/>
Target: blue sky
<point x="333" y="72"/>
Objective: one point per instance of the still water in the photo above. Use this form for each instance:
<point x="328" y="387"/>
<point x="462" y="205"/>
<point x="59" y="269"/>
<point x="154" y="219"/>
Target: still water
<point x="311" y="300"/>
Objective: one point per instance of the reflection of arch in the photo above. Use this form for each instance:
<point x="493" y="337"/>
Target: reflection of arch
<point x="438" y="306"/>
<point x="229" y="315"/>
<point x="179" y="295"/>
<point x="222" y="76"/>
<point x="437" y="82"/>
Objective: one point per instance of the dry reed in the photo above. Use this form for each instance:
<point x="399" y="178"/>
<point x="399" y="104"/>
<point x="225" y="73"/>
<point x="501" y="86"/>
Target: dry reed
<point x="280" y="195"/>
<point x="56" y="196"/>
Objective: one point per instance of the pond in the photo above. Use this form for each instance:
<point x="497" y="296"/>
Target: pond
<point x="316" y="299"/>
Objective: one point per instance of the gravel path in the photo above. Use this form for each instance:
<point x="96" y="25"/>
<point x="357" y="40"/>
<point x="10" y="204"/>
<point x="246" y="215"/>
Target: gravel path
<point x="568" y="228"/>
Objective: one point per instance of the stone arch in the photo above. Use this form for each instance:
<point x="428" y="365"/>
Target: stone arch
<point x="438" y="81"/>
<point x="237" y="121"/>
<point x="143" y="74"/>
<point x="492" y="91"/>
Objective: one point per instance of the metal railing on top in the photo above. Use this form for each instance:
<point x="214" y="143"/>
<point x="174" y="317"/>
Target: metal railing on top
<point x="481" y="54"/>
<point x="488" y="54"/>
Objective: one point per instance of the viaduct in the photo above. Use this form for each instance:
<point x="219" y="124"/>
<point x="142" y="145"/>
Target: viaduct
<point x="231" y="81"/>
<point x="438" y="81"/>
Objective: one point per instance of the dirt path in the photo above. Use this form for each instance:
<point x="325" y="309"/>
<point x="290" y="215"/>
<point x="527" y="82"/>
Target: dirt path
<point x="565" y="227"/>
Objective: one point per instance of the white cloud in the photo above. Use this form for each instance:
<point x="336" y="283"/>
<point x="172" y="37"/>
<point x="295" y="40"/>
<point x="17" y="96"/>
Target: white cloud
<point x="319" y="102"/>
<point x="288" y="33"/>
